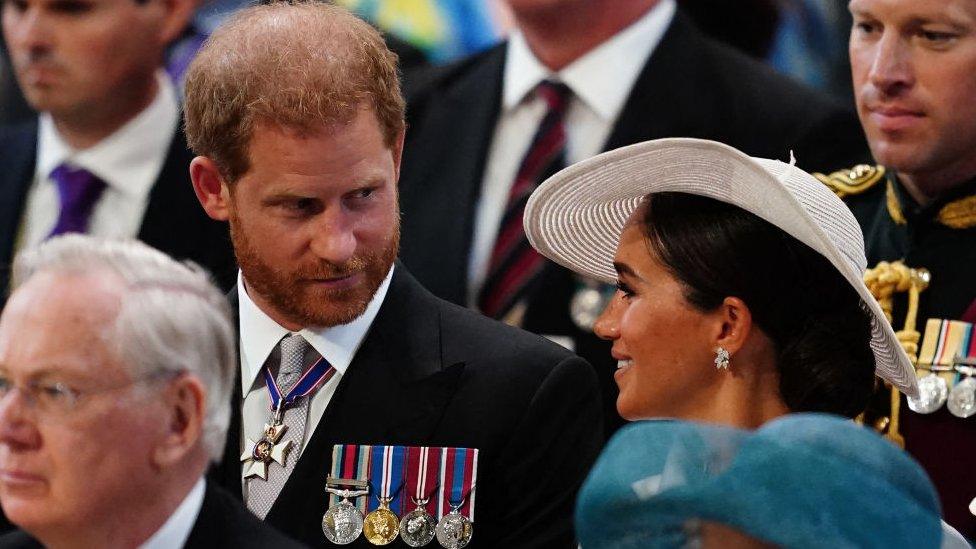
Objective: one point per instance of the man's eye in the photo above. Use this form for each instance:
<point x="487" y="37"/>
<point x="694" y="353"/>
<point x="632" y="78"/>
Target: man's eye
<point x="18" y="5"/>
<point x="864" y="27"/>
<point x="364" y="193"/>
<point x="937" y="37"/>
<point x="54" y="392"/>
<point x="5" y="385"/>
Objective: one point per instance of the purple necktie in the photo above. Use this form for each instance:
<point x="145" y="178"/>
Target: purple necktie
<point x="79" y="190"/>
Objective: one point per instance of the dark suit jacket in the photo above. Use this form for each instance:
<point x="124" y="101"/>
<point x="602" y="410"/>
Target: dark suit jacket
<point x="222" y="523"/>
<point x="174" y="222"/>
<point x="430" y="373"/>
<point x="691" y="86"/>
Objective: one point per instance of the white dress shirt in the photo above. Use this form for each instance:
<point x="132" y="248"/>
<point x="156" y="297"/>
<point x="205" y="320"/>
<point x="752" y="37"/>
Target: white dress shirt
<point x="600" y="82"/>
<point x="259" y="337"/>
<point x="176" y="530"/>
<point x="128" y="161"/>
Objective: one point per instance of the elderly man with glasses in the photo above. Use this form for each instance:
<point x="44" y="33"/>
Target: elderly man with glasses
<point x="116" y="365"/>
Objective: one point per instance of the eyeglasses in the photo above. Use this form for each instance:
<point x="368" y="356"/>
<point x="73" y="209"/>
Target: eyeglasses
<point x="57" y="399"/>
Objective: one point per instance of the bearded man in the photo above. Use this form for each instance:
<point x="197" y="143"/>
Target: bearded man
<point x="295" y="113"/>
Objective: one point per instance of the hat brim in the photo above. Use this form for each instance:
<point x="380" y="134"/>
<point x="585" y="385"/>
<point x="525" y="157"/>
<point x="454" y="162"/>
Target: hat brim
<point x="576" y="216"/>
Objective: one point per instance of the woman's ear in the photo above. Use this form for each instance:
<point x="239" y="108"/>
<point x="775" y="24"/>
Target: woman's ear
<point x="735" y="325"/>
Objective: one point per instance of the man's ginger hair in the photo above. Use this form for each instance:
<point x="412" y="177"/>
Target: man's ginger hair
<point x="297" y="65"/>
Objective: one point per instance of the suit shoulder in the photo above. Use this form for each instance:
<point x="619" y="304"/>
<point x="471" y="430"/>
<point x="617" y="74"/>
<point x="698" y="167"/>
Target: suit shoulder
<point x="853" y="181"/>
<point x="224" y="522"/>
<point x="431" y="80"/>
<point x="499" y="339"/>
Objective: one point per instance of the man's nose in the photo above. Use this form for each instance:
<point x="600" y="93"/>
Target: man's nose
<point x="30" y="32"/>
<point x="334" y="239"/>
<point x="17" y="427"/>
<point x="891" y="66"/>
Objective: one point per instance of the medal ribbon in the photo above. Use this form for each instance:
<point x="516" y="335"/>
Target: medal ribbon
<point x="319" y="373"/>
<point x="386" y="474"/>
<point x="967" y="348"/>
<point x="459" y="469"/>
<point x="423" y="474"/>
<point x="350" y="461"/>
<point x="943" y="341"/>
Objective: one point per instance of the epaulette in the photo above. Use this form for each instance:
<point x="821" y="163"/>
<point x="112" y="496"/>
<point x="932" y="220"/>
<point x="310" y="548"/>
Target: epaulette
<point x="854" y="180"/>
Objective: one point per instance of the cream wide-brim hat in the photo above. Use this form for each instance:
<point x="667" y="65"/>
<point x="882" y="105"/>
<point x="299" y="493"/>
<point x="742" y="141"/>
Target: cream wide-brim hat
<point x="576" y="216"/>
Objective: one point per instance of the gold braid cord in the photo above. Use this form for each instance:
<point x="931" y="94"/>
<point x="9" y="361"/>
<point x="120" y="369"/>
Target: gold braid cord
<point x="884" y="281"/>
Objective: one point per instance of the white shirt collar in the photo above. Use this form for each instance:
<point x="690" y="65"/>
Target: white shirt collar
<point x="175" y="531"/>
<point x="129" y="159"/>
<point x="603" y="77"/>
<point x="338" y="344"/>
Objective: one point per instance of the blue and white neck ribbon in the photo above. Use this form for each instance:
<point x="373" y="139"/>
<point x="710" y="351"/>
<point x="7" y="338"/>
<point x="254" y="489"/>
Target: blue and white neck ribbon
<point x="319" y="373"/>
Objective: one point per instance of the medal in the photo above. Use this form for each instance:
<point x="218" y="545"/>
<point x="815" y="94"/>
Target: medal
<point x="269" y="447"/>
<point x="962" y="399"/>
<point x="386" y="470"/>
<point x="932" y="394"/>
<point x="381" y="526"/>
<point x="459" y="471"/>
<point x="343" y="522"/>
<point x="588" y="303"/>
<point x="417" y="526"/>
<point x="423" y="477"/>
<point x="454" y="530"/>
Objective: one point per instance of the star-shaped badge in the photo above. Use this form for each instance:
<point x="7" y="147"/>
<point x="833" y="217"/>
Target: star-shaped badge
<point x="265" y="451"/>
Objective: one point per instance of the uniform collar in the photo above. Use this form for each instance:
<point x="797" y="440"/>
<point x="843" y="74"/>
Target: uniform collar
<point x="955" y="209"/>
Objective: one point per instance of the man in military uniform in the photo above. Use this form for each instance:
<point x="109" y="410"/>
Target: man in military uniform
<point x="914" y="70"/>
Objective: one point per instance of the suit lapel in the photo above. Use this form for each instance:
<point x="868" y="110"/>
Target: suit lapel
<point x="442" y="173"/>
<point x="17" y="164"/>
<point x="394" y="392"/>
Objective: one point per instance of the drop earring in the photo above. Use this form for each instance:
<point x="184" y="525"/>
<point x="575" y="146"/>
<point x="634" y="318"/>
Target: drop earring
<point x="721" y="359"/>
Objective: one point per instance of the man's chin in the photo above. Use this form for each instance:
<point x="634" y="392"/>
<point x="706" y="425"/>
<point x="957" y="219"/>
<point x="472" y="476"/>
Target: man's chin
<point x="327" y="307"/>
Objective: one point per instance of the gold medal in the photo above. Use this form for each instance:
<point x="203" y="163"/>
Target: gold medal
<point x="381" y="526"/>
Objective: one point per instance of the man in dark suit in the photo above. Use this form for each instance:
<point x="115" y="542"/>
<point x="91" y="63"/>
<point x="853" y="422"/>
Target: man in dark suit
<point x="117" y="365"/>
<point x="481" y="137"/>
<point x="106" y="155"/>
<point x="300" y="152"/>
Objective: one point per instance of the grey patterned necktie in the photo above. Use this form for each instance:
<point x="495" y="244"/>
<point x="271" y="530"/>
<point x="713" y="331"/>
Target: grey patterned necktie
<point x="294" y="351"/>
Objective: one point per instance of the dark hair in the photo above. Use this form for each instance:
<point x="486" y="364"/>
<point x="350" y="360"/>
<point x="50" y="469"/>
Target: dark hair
<point x="815" y="319"/>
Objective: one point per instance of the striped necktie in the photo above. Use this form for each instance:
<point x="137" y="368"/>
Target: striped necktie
<point x="515" y="266"/>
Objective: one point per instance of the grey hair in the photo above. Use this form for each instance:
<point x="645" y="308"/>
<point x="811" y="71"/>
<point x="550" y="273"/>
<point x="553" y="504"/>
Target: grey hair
<point x="172" y="318"/>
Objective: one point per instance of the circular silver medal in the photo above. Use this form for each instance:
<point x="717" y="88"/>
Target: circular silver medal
<point x="587" y="304"/>
<point x="932" y="394"/>
<point x="417" y="527"/>
<point x="342" y="523"/>
<point x="962" y="399"/>
<point x="454" y="530"/>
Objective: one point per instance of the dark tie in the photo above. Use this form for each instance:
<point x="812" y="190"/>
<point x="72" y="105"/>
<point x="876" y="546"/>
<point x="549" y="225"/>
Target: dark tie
<point x="515" y="266"/>
<point x="79" y="190"/>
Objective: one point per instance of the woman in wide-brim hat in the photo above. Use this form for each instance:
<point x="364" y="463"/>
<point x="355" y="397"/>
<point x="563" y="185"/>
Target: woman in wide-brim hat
<point x="739" y="300"/>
